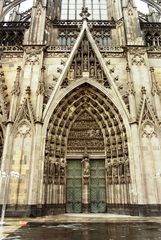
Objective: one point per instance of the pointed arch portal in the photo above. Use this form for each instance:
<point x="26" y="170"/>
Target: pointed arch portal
<point x="86" y="156"/>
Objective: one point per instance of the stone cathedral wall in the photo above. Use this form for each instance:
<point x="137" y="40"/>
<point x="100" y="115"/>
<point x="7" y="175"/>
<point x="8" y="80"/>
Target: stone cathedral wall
<point x="84" y="90"/>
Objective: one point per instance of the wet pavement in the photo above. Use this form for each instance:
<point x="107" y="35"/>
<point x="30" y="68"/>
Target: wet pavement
<point x="86" y="227"/>
<point x="87" y="231"/>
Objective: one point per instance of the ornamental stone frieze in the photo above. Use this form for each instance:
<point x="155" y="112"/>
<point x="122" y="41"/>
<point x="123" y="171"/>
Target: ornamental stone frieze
<point x="137" y="55"/>
<point x="138" y="60"/>
<point x="33" y="54"/>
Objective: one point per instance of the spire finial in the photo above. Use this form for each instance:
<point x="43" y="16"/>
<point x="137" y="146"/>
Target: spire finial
<point x="84" y="14"/>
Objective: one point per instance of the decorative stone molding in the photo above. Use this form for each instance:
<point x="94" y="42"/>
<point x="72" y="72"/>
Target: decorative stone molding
<point x="137" y="50"/>
<point x="32" y="59"/>
<point x="23" y="129"/>
<point x="41" y="84"/>
<point x="16" y="84"/>
<point x="138" y="60"/>
<point x="129" y="81"/>
<point x="85" y="65"/>
<point x="130" y="8"/>
<point x="26" y="111"/>
<point x="32" y="54"/>
<point x="155" y="89"/>
<point x="146" y="111"/>
<point x="68" y="115"/>
<point x="120" y="22"/>
<point x="148" y="129"/>
<point x="4" y="104"/>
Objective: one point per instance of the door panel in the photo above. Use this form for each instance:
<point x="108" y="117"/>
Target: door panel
<point x="97" y="186"/>
<point x="74" y="186"/>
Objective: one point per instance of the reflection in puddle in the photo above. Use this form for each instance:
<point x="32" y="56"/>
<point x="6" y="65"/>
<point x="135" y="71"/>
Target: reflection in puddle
<point x="88" y="231"/>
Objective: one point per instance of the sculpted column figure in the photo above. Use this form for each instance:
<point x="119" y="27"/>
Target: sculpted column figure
<point x="62" y="197"/>
<point x="85" y="180"/>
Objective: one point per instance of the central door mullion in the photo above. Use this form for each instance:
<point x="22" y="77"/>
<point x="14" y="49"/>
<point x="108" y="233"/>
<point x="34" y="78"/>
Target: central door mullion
<point x="85" y="183"/>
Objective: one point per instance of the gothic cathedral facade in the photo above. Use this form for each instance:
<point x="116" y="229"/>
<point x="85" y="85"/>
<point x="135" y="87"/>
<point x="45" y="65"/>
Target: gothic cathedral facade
<point x="80" y="107"/>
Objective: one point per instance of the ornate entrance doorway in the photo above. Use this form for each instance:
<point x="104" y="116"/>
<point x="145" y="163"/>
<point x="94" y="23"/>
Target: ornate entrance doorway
<point x="86" y="162"/>
<point x="95" y="190"/>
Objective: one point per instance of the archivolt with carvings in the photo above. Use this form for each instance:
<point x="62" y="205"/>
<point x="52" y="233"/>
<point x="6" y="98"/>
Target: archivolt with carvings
<point x="85" y="105"/>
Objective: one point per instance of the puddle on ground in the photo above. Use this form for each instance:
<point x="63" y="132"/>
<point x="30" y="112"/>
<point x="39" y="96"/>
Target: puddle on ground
<point x="88" y="231"/>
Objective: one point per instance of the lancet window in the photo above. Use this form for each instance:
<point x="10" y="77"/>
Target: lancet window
<point x="72" y="8"/>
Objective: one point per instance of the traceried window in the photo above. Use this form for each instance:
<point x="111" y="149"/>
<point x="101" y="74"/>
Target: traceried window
<point x="20" y="12"/>
<point x="72" y="8"/>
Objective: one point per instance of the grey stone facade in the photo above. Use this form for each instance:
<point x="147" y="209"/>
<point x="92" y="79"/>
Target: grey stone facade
<point x="75" y="94"/>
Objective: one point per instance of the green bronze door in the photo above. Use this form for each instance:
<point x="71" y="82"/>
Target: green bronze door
<point x="97" y="186"/>
<point x="74" y="186"/>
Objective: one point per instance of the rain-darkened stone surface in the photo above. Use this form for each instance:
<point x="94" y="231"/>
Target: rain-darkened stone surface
<point x="88" y="231"/>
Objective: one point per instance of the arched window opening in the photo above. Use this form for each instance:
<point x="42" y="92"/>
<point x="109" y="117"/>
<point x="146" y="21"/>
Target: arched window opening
<point x="72" y="8"/>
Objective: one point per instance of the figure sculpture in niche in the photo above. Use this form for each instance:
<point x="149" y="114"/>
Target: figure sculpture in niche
<point x="92" y="72"/>
<point x="62" y="167"/>
<point x="79" y="70"/>
<point x="85" y="63"/>
<point x="71" y="73"/>
<point x="85" y="46"/>
<point x="108" y="169"/>
<point x="57" y="167"/>
<point x="99" y="73"/>
<point x="86" y="166"/>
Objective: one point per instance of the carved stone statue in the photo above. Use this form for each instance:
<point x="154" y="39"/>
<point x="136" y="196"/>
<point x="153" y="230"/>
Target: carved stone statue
<point x="114" y="170"/>
<point x="86" y="170"/>
<point x="109" y="170"/>
<point x="57" y="167"/>
<point x="85" y="63"/>
<point x="115" y="174"/>
<point x="79" y="70"/>
<point x="86" y="166"/>
<point x="108" y="167"/>
<point x="85" y="46"/>
<point x="92" y="72"/>
<point x="121" y="169"/>
<point x="71" y="73"/>
<point x="127" y="169"/>
<point x="62" y="167"/>
<point x="99" y="73"/>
